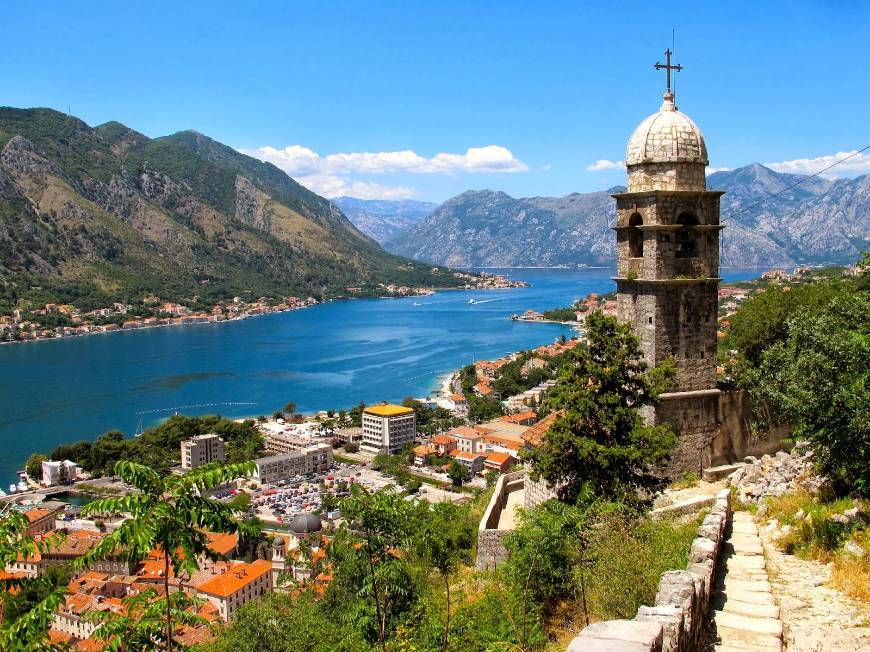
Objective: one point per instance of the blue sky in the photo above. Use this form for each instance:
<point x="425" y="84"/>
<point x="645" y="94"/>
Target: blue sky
<point x="428" y="99"/>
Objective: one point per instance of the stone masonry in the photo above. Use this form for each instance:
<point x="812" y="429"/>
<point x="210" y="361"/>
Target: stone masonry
<point x="667" y="235"/>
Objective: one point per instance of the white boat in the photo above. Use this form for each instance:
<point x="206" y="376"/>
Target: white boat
<point x="12" y="489"/>
<point x="22" y="486"/>
<point x="471" y="302"/>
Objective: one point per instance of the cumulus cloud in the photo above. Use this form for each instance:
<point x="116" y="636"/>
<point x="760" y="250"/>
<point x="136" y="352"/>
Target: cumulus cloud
<point x="858" y="164"/>
<point x="711" y="169"/>
<point x="604" y="164"/>
<point x="330" y="175"/>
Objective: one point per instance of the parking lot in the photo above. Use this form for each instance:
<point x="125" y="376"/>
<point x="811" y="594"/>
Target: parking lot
<point x="280" y="502"/>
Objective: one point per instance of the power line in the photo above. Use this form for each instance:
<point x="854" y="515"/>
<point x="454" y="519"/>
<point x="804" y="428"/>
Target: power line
<point x="797" y="183"/>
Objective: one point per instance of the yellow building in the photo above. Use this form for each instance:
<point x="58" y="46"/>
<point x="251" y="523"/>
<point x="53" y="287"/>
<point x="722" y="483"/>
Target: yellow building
<point x="388" y="428"/>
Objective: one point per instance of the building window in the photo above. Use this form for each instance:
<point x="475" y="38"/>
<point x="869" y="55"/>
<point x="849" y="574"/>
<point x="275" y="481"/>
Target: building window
<point x="635" y="236"/>
<point x="687" y="237"/>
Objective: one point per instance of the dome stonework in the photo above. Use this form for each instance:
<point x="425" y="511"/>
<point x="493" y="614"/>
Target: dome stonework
<point x="667" y="136"/>
<point x="666" y="152"/>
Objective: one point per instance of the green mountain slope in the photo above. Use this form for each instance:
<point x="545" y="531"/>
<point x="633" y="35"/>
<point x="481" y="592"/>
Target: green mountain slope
<point x="94" y="215"/>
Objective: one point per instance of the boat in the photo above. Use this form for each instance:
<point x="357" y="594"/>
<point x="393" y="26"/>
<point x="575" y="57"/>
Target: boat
<point x="12" y="489"/>
<point x="22" y="486"/>
<point x="471" y="302"/>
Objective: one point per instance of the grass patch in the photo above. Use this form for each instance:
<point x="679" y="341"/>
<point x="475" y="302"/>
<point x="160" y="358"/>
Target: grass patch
<point x="813" y="533"/>
<point x="627" y="558"/>
<point x="850" y="573"/>
<point x="688" y="481"/>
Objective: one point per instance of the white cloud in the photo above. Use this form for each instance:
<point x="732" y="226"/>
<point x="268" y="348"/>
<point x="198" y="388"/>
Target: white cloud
<point x="604" y="164"/>
<point x="328" y="185"/>
<point x="330" y="175"/>
<point x="711" y="169"/>
<point x="858" y="164"/>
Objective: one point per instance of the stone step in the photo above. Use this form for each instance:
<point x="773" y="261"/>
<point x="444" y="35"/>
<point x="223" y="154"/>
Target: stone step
<point x="747" y="576"/>
<point x="751" y="609"/>
<point x="749" y="596"/>
<point x="757" y="643"/>
<point x="718" y="472"/>
<point x="751" y="586"/>
<point x="743" y="548"/>
<point x="744" y="561"/>
<point x="741" y="516"/>
<point x="748" y="529"/>
<point x="731" y="621"/>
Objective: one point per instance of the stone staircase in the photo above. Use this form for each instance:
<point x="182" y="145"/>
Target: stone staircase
<point x="745" y="616"/>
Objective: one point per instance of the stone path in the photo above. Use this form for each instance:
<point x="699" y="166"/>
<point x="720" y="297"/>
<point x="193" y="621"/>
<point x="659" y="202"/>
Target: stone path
<point x="816" y="617"/>
<point x="745" y="616"/>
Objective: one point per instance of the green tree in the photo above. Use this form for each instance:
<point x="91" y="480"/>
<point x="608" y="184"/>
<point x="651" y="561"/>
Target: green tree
<point x="459" y="473"/>
<point x="818" y="380"/>
<point x="387" y="522"/>
<point x="24" y="621"/>
<point x="444" y="540"/>
<point x="168" y="513"/>
<point x="290" y="408"/>
<point x="141" y="625"/>
<point x="33" y="467"/>
<point x="598" y="436"/>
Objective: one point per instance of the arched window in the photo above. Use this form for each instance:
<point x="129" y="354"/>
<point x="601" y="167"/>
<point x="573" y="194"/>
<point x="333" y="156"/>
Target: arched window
<point x="635" y="236"/>
<point x="686" y="236"/>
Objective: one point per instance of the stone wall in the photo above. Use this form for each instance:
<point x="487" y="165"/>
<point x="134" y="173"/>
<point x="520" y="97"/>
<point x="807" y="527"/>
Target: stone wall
<point x="678" y="621"/>
<point x="490" y="549"/>
<point x="735" y="439"/>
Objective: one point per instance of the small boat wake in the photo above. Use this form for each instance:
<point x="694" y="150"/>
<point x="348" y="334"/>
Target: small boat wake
<point x="474" y="302"/>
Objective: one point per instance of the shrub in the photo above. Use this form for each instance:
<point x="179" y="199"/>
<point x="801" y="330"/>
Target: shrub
<point x="626" y="558"/>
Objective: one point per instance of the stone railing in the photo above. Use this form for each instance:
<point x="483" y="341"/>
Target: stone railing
<point x="490" y="549"/>
<point x="679" y="620"/>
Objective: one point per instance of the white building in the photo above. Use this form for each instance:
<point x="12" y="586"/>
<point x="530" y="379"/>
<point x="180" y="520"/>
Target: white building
<point x="314" y="459"/>
<point x="202" y="449"/>
<point x="54" y="473"/>
<point x="388" y="428"/>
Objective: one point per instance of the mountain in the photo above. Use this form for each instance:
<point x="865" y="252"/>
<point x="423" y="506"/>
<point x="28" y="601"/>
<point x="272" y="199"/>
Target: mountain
<point x="90" y="215"/>
<point x="820" y="221"/>
<point x="488" y="228"/>
<point x="381" y="219"/>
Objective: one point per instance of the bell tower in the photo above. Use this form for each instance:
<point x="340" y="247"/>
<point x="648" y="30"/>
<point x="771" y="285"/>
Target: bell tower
<point x="667" y="244"/>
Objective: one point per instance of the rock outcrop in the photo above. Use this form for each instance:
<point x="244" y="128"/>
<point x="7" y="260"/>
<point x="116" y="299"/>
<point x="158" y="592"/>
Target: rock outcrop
<point x="775" y="475"/>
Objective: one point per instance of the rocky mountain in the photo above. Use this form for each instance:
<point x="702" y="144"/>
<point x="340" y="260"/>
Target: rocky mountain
<point x="488" y="228"/>
<point x="90" y="215"/>
<point x="820" y="221"/>
<point x="384" y="220"/>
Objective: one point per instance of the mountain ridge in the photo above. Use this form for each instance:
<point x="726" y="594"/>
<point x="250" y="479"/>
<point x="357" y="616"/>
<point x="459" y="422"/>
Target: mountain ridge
<point x="90" y="215"/>
<point x="819" y="221"/>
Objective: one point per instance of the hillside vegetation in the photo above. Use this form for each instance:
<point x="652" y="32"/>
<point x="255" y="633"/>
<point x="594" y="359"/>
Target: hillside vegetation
<point x="95" y="215"/>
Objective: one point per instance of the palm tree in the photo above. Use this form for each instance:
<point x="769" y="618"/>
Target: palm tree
<point x="169" y="514"/>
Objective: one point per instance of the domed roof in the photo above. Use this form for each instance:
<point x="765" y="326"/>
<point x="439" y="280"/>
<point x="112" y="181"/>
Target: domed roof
<point x="305" y="523"/>
<point x="279" y="543"/>
<point x="667" y="136"/>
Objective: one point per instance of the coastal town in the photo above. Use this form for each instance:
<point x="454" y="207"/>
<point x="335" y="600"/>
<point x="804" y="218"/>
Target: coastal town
<point x="435" y="448"/>
<point x="59" y="320"/>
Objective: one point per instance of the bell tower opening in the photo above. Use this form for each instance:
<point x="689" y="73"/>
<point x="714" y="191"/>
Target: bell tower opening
<point x="686" y="236"/>
<point x="635" y="236"/>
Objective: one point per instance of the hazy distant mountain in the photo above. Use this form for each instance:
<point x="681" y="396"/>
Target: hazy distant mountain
<point x="91" y="215"/>
<point x="384" y="219"/>
<point x="820" y="221"/>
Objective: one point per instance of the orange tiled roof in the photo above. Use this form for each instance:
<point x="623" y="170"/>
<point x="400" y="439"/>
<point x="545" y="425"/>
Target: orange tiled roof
<point x="36" y="514"/>
<point x="443" y="440"/>
<point x="506" y="442"/>
<point x="519" y="417"/>
<point x="535" y="434"/>
<point x="222" y="543"/>
<point x="498" y="458"/>
<point x="467" y="456"/>
<point x="458" y="398"/>
<point x="236" y="578"/>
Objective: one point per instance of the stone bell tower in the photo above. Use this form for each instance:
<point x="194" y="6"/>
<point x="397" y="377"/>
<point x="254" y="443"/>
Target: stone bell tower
<point x="667" y="244"/>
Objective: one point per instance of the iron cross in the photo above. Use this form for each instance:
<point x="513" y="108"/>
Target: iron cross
<point x="667" y="66"/>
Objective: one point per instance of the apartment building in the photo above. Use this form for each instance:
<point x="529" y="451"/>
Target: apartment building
<point x="388" y="428"/>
